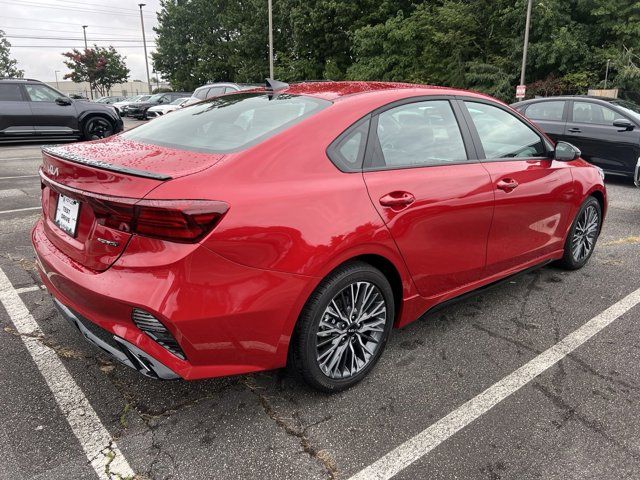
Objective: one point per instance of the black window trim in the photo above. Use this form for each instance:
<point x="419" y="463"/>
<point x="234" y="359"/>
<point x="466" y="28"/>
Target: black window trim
<point x="373" y="143"/>
<point x="476" y="137"/>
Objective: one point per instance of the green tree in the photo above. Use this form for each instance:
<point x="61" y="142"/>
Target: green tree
<point x="8" y="66"/>
<point x="102" y="67"/>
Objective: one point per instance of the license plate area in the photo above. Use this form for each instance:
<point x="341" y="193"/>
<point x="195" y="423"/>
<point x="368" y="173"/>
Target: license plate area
<point x="67" y="211"/>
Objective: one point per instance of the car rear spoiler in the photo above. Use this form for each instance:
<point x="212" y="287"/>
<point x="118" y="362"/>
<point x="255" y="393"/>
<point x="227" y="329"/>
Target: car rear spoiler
<point x="59" y="152"/>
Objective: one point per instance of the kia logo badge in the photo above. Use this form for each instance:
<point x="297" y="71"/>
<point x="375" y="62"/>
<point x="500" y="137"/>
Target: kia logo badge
<point x="52" y="170"/>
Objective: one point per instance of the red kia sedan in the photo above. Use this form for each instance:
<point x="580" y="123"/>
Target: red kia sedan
<point x="297" y="225"/>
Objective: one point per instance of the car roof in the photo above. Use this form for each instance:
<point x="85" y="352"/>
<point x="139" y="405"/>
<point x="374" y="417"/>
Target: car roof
<point x="567" y="97"/>
<point x="335" y="90"/>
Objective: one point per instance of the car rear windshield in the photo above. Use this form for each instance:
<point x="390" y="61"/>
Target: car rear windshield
<point x="227" y="124"/>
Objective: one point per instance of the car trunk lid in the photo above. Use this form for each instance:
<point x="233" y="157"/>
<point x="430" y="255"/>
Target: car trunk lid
<point x="79" y="179"/>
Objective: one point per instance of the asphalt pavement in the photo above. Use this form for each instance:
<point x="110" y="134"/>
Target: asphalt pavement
<point x="69" y="412"/>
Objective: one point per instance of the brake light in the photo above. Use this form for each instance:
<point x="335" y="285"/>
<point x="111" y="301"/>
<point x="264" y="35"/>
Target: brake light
<point x="173" y="220"/>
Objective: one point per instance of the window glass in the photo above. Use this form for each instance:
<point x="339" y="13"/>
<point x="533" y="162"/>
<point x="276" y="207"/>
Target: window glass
<point x="546" y="111"/>
<point x="227" y="124"/>
<point x="587" y="112"/>
<point x="41" y="93"/>
<point x="201" y="93"/>
<point x="10" y="92"/>
<point x="215" y="91"/>
<point x="420" y="134"/>
<point x="347" y="152"/>
<point x="502" y="134"/>
<point x="630" y="108"/>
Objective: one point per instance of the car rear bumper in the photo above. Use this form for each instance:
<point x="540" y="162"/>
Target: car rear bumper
<point x="117" y="347"/>
<point x="227" y="318"/>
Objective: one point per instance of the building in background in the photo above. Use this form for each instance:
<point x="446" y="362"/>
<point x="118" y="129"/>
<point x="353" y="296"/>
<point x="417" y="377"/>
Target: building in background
<point x="136" y="87"/>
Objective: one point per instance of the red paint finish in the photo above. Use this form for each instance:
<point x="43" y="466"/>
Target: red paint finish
<point x="232" y="299"/>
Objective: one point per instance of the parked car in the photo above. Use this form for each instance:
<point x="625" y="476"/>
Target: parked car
<point x="32" y="110"/>
<point x="211" y="90"/>
<point x="139" y="109"/>
<point x="297" y="225"/>
<point x="160" y="110"/>
<point x="606" y="130"/>
<point x="110" y="100"/>
<point x="121" y="107"/>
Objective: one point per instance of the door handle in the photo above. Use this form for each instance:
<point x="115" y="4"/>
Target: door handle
<point x="575" y="130"/>
<point x="507" y="184"/>
<point x="397" y="199"/>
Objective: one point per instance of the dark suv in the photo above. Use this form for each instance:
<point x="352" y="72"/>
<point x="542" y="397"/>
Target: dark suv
<point x="139" y="109"/>
<point x="30" y="110"/>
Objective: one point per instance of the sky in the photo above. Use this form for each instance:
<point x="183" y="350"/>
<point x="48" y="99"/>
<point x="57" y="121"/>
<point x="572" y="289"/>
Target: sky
<point x="58" y="24"/>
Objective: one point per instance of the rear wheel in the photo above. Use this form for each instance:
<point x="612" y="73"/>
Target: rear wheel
<point x="344" y="327"/>
<point x="583" y="235"/>
<point x="96" y="128"/>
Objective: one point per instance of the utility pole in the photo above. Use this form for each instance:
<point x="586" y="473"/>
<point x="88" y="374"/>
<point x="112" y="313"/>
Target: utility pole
<point x="84" y="32"/>
<point x="270" y="38"/>
<point x="144" y="43"/>
<point x="526" y="43"/>
<point x="56" y="74"/>
<point x="606" y="74"/>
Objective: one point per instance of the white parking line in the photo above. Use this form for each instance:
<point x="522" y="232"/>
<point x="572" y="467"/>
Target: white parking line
<point x="99" y="447"/>
<point x="19" y="176"/>
<point x="28" y="289"/>
<point x="20" y="210"/>
<point x="415" y="448"/>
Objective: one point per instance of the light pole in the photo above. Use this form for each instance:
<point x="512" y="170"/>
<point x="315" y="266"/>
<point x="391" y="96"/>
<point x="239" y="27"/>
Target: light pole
<point x="606" y="74"/>
<point x="84" y="32"/>
<point x="144" y="43"/>
<point x="270" y="38"/>
<point x="526" y="42"/>
<point x="56" y="74"/>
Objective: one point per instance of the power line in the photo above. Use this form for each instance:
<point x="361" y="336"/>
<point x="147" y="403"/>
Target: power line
<point x="80" y="47"/>
<point x="68" y="31"/>
<point x="24" y="3"/>
<point x="65" y="23"/>
<point x="95" y="5"/>
<point x="31" y="37"/>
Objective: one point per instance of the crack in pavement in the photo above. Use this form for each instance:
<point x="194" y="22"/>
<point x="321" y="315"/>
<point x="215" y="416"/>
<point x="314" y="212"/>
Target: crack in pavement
<point x="584" y="366"/>
<point x="322" y="456"/>
<point x="571" y="413"/>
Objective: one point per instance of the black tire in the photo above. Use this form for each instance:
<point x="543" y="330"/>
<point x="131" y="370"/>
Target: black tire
<point x="570" y="260"/>
<point x="304" y="352"/>
<point x="96" y="127"/>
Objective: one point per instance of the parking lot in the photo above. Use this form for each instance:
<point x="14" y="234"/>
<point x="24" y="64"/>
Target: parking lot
<point x="71" y="412"/>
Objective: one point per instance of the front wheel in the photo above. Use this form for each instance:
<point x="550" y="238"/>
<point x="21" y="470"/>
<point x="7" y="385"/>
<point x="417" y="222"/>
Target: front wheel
<point x="96" y="128"/>
<point x="344" y="327"/>
<point x="583" y="235"/>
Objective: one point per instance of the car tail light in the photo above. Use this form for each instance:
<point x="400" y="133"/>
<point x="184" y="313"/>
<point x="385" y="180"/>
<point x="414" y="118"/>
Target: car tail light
<point x="157" y="331"/>
<point x="173" y="220"/>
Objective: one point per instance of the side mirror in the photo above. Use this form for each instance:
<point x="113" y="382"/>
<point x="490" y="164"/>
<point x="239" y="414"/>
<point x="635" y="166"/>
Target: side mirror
<point x="565" y="152"/>
<point x="63" y="101"/>
<point x="624" y="124"/>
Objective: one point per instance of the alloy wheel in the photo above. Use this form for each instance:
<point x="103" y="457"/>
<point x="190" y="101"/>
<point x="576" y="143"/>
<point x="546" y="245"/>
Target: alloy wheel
<point x="98" y="128"/>
<point x="585" y="234"/>
<point x="351" y="330"/>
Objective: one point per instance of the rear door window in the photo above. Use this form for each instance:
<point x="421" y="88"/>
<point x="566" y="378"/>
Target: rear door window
<point x="417" y="135"/>
<point x="546" y="111"/>
<point x="502" y="134"/>
<point x="10" y="92"/>
<point x="228" y="124"/>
